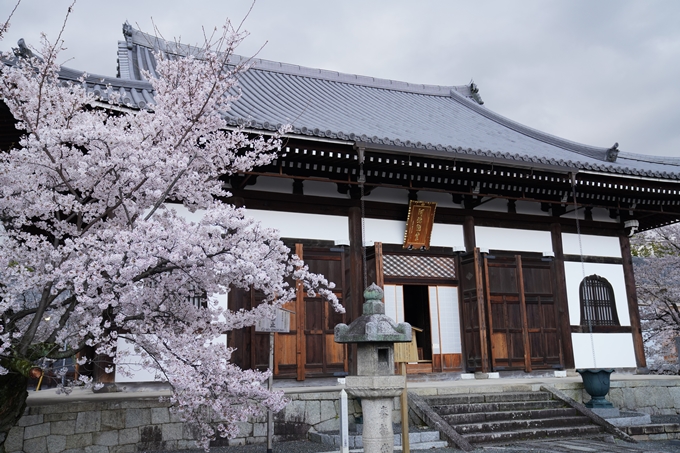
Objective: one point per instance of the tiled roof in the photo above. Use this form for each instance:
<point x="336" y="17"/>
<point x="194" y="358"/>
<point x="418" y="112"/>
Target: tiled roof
<point x="440" y="121"/>
<point x="446" y="121"/>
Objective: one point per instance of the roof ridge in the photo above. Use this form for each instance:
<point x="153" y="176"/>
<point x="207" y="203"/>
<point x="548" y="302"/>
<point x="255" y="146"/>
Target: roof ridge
<point x="134" y="36"/>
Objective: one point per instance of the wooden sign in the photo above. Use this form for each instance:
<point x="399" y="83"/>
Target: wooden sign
<point x="280" y="324"/>
<point x="419" y="224"/>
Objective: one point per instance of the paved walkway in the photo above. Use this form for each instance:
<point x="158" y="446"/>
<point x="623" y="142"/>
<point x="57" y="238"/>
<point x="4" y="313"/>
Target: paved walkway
<point x="553" y="446"/>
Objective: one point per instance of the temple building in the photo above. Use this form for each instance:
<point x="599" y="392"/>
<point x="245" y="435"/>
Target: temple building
<point x="506" y="247"/>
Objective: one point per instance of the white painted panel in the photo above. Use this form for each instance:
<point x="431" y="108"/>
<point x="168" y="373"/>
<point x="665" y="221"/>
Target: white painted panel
<point x="130" y="363"/>
<point x="614" y="275"/>
<point x="612" y="350"/>
<point x="291" y="224"/>
<point x="305" y="226"/>
<point x="392" y="232"/>
<point x="394" y="302"/>
<point x="434" y="320"/>
<point x="592" y="245"/>
<point x="129" y="367"/>
<point x="449" y="322"/>
<point x="444" y="235"/>
<point x="385" y="231"/>
<point x="512" y="239"/>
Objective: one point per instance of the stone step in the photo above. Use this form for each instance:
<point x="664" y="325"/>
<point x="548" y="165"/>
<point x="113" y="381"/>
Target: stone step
<point x="471" y="398"/>
<point x="534" y="434"/>
<point x="520" y="425"/>
<point x="497" y="407"/>
<point x="529" y="414"/>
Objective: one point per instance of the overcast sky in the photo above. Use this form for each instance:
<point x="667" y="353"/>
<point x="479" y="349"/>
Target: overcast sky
<point x="591" y="71"/>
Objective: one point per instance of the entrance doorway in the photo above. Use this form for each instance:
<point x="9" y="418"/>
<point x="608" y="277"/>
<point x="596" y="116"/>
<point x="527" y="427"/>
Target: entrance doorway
<point x="417" y="314"/>
<point x="434" y="309"/>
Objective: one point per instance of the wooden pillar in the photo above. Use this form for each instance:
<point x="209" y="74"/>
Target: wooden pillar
<point x="481" y="311"/>
<point x="561" y="296"/>
<point x="633" y="310"/>
<point x="379" y="273"/>
<point x="523" y="311"/>
<point x="356" y="276"/>
<point x="469" y="233"/>
<point x="301" y="358"/>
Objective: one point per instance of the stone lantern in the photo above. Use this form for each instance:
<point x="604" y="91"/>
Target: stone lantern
<point x="376" y="384"/>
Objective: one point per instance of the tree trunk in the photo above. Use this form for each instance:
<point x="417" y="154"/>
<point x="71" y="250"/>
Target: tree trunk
<point x="13" y="396"/>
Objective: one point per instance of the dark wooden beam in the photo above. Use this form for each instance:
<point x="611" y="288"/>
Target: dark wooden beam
<point x="356" y="275"/>
<point x="469" y="233"/>
<point x="633" y="309"/>
<point x="561" y="296"/>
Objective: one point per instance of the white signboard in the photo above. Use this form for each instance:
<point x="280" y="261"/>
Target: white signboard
<point x="281" y="323"/>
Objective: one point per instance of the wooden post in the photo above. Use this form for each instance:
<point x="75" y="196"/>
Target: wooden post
<point x="633" y="309"/>
<point x="270" y="414"/>
<point x="523" y="310"/>
<point x="469" y="239"/>
<point x="301" y="357"/>
<point x="481" y="310"/>
<point x="379" y="273"/>
<point x="560" y="292"/>
<point x="356" y="276"/>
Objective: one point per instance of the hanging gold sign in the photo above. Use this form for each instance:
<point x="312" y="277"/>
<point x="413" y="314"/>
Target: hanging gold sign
<point x="419" y="224"/>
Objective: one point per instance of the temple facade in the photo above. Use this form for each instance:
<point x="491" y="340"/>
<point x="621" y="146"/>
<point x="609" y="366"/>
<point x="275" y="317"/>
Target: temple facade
<point x="506" y="248"/>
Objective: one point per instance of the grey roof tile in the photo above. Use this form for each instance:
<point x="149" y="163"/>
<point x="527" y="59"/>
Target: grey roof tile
<point x="442" y="121"/>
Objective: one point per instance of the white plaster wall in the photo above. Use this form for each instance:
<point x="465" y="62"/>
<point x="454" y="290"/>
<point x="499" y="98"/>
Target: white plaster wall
<point x="392" y="232"/>
<point x="131" y="362"/>
<point x="385" y="231"/>
<point x="444" y="235"/>
<point x="305" y="226"/>
<point x="592" y="245"/>
<point x="512" y="239"/>
<point x="612" y="350"/>
<point x="612" y="272"/>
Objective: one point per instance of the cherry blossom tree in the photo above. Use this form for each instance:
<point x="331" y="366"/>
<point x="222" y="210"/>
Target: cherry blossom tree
<point x="657" y="275"/>
<point x="91" y="249"/>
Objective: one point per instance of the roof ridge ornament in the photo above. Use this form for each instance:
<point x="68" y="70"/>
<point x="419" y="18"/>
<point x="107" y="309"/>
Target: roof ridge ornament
<point x="474" y="92"/>
<point x="612" y="153"/>
<point x="127" y="33"/>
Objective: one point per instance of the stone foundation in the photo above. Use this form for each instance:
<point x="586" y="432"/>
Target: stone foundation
<point x="146" y="424"/>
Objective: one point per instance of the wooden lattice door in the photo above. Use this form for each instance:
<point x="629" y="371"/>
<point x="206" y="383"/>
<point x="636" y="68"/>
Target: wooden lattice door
<point x="522" y="312"/>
